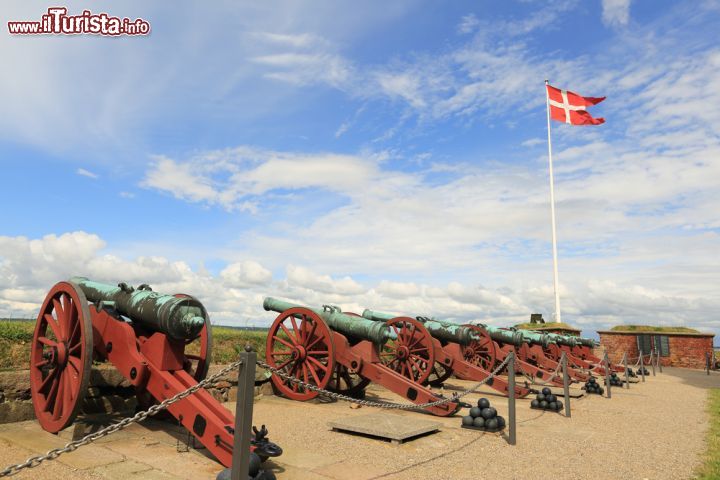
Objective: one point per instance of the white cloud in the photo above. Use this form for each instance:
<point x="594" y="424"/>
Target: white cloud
<point x="242" y="274"/>
<point x="615" y="12"/>
<point x="468" y="23"/>
<point x="86" y="173"/>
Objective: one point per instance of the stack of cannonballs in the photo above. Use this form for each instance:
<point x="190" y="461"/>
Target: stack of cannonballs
<point x="615" y="381"/>
<point x="591" y="386"/>
<point x="484" y="417"/>
<point x="546" y="401"/>
<point x="630" y="373"/>
<point x="640" y="371"/>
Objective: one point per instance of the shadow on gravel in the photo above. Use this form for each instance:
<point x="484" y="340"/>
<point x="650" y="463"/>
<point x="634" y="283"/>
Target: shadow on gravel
<point x="696" y="378"/>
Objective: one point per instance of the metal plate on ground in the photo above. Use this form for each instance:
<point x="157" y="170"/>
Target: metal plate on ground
<point x="396" y="428"/>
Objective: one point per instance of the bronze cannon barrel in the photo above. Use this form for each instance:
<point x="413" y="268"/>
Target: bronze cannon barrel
<point x="181" y="318"/>
<point x="350" y="326"/>
<point x="446" y="331"/>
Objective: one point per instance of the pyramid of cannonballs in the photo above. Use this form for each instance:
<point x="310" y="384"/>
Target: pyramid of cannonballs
<point x="615" y="381"/>
<point x="630" y="373"/>
<point x="643" y="371"/>
<point x="483" y="417"/>
<point x="591" y="386"/>
<point x="546" y="401"/>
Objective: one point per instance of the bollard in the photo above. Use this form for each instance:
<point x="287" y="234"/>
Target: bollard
<point x="627" y="378"/>
<point x="566" y="384"/>
<point x="243" y="415"/>
<point x="642" y="366"/>
<point x="659" y="363"/>
<point x="607" y="375"/>
<point x="652" y="360"/>
<point x="707" y="362"/>
<point x="511" y="399"/>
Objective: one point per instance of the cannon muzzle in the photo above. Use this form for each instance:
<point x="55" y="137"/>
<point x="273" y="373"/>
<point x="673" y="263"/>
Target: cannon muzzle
<point x="445" y="331"/>
<point x="352" y="327"/>
<point x="181" y="318"/>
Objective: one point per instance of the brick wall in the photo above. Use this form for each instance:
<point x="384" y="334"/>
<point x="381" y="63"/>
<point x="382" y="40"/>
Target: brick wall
<point x="686" y="351"/>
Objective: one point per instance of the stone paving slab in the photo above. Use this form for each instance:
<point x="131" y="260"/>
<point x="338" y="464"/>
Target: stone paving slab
<point x="396" y="428"/>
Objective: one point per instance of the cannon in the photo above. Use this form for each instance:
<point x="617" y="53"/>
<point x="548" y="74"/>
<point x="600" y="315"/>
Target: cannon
<point x="579" y="353"/>
<point x="465" y="351"/>
<point x="144" y="334"/>
<point x="330" y="350"/>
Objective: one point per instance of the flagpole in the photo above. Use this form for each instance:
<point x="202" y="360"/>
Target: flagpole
<point x="552" y="210"/>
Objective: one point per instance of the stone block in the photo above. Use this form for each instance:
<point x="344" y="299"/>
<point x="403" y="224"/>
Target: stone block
<point x="17" y="411"/>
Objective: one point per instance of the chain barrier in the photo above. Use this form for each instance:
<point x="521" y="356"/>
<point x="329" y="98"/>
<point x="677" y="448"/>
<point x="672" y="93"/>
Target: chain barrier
<point x="36" y="460"/>
<point x="389" y="405"/>
<point x="544" y="382"/>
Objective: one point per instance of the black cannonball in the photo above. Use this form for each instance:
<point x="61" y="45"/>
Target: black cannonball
<point x="592" y="380"/>
<point x="254" y="464"/>
<point x="546" y="391"/>
<point x="551" y="398"/>
<point x="467" y="420"/>
<point x="543" y="404"/>
<point x="483" y="403"/>
<point x="535" y="404"/>
<point x="500" y="421"/>
<point x="491" y="424"/>
<point x="540" y="397"/>
<point x="552" y="406"/>
<point x="601" y="390"/>
<point x="475" y="412"/>
<point x="479" y="422"/>
<point x="559" y="405"/>
<point x="488" y="413"/>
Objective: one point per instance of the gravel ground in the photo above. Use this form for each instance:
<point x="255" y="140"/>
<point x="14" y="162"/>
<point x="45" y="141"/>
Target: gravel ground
<point x="654" y="430"/>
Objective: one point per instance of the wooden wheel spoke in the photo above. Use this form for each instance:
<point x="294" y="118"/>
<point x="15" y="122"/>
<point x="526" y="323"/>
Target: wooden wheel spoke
<point x="61" y="318"/>
<point x="48" y="379"/>
<point x="314" y="342"/>
<point x="417" y="350"/>
<point x="47" y="341"/>
<point x="279" y="352"/>
<point x="57" y="406"/>
<point x="305" y="372"/>
<point x="313" y="374"/>
<point x="310" y="334"/>
<point x="74" y="362"/>
<point x="287" y="344"/>
<point x="284" y="364"/>
<point x="318" y="363"/>
<point x="298" y="334"/>
<point x="53" y="324"/>
<point x="193" y="357"/>
<point x="290" y="336"/>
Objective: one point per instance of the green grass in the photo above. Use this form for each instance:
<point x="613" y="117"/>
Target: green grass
<point x="543" y="326"/>
<point x="710" y="469"/>
<point x="649" y="328"/>
<point x="16" y="337"/>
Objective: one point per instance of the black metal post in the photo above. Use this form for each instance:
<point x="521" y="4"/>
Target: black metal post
<point x="607" y="375"/>
<point x="707" y="362"/>
<point x="512" y="438"/>
<point x="566" y="384"/>
<point x="659" y="363"/>
<point x="627" y="377"/>
<point x="642" y="366"/>
<point x="652" y="360"/>
<point x="243" y="415"/>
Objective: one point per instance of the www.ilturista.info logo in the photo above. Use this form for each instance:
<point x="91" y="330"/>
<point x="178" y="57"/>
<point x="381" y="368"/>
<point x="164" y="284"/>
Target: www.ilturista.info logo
<point x="58" y="22"/>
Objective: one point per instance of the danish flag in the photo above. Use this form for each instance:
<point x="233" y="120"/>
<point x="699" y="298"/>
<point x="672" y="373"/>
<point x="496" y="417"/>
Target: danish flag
<point x="570" y="108"/>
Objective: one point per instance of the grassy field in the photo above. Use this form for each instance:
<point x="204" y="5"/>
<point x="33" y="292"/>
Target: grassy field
<point x="543" y="326"/>
<point x="648" y="328"/>
<point x="711" y="468"/>
<point x="16" y="336"/>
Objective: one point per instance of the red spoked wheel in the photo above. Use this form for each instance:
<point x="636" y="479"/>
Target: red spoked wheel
<point x="345" y="382"/>
<point x="198" y="362"/>
<point x="411" y="353"/>
<point x="299" y="344"/>
<point x="438" y="375"/>
<point x="481" y="352"/>
<point x="61" y="357"/>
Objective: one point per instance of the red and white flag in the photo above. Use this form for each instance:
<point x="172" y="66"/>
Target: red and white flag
<point x="571" y="108"/>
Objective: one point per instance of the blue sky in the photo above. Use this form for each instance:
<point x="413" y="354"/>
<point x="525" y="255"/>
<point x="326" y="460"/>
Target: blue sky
<point x="373" y="154"/>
